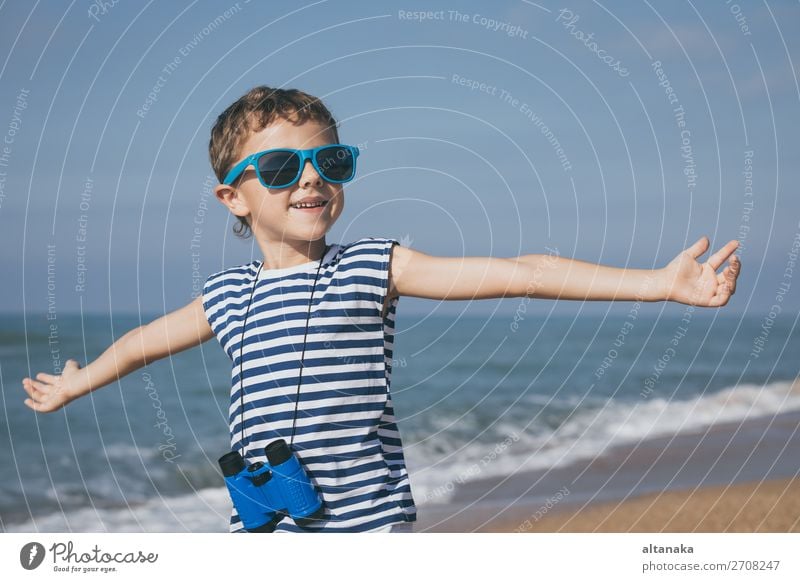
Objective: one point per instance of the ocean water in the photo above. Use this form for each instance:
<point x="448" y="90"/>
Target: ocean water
<point x="475" y="397"/>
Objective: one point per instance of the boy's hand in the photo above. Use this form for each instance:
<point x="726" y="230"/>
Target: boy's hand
<point x="48" y="393"/>
<point x="685" y="280"/>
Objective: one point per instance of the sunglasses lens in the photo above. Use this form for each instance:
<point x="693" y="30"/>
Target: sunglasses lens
<point x="279" y="168"/>
<point x="336" y="163"/>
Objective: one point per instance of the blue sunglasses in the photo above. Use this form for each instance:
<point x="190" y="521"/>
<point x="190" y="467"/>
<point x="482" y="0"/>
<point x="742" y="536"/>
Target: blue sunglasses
<point x="280" y="168"/>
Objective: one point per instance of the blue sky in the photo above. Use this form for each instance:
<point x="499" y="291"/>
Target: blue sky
<point x="553" y="147"/>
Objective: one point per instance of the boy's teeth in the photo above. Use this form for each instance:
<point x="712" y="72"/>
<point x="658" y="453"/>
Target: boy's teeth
<point x="307" y="204"/>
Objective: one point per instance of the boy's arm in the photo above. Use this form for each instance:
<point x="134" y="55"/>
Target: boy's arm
<point x="179" y="330"/>
<point x="684" y="280"/>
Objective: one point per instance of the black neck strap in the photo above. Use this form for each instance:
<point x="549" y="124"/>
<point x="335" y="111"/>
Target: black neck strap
<point x="302" y="356"/>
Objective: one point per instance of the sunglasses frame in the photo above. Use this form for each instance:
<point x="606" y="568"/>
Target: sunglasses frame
<point x="309" y="154"/>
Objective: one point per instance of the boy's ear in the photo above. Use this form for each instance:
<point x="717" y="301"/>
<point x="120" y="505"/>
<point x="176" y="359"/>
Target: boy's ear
<point x="230" y="197"/>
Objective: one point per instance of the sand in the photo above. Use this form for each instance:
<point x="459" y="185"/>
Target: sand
<point x="769" y="506"/>
<point x="739" y="476"/>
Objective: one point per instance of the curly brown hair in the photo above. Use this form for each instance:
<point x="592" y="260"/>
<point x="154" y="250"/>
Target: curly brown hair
<point x="251" y="113"/>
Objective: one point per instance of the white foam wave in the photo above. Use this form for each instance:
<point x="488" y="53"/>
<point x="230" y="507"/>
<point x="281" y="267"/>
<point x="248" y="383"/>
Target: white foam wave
<point x="588" y="433"/>
<point x="207" y="510"/>
<point x="435" y="476"/>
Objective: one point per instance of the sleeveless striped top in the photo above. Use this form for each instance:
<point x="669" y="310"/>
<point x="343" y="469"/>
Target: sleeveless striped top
<point x="345" y="436"/>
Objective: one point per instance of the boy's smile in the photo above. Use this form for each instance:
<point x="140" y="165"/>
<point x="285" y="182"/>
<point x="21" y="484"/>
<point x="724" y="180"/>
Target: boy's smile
<point x="289" y="223"/>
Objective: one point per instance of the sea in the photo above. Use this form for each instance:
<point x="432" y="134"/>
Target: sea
<point x="476" y="397"/>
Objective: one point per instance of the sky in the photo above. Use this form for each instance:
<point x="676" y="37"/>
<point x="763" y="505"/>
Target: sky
<point x="614" y="133"/>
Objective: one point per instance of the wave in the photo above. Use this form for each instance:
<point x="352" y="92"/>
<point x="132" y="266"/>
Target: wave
<point x="436" y="472"/>
<point x="206" y="510"/>
<point x="441" y="465"/>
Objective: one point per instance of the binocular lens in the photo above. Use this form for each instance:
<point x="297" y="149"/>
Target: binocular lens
<point x="278" y="452"/>
<point x="231" y="463"/>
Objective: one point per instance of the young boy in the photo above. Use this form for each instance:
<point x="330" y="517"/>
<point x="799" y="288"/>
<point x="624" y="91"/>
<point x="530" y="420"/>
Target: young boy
<point x="309" y="328"/>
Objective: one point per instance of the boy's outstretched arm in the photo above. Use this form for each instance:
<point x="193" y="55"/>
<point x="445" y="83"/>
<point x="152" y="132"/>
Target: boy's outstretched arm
<point x="683" y="280"/>
<point x="179" y="330"/>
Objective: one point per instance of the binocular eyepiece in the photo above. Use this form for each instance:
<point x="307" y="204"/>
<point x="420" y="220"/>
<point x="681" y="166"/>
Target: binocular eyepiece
<point x="265" y="493"/>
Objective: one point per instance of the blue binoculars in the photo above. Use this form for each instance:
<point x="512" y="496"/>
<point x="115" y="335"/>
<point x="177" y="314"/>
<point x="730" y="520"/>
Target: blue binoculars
<point x="265" y="493"/>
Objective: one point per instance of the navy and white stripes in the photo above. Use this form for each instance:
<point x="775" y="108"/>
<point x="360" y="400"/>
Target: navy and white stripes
<point x="345" y="436"/>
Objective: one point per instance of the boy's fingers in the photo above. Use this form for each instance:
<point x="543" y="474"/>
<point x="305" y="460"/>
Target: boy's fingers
<point x="722" y="296"/>
<point x="39" y="386"/>
<point x="731" y="276"/>
<point x="49" y="378"/>
<point x="698" y="248"/>
<point x="730" y="273"/>
<point x="726" y="278"/>
<point x="722" y="254"/>
<point x="29" y="389"/>
<point x="38" y="407"/>
<point x="736" y="265"/>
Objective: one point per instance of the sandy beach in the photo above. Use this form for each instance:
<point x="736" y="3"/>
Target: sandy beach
<point x="769" y="506"/>
<point x="731" y="477"/>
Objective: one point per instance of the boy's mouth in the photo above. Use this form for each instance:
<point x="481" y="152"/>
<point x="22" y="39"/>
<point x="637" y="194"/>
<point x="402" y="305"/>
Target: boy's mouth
<point x="310" y="205"/>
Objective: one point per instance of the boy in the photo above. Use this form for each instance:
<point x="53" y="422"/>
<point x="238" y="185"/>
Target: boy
<point x="281" y="169"/>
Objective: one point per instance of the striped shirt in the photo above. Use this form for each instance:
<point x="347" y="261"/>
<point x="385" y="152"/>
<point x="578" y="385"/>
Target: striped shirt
<point x="345" y="436"/>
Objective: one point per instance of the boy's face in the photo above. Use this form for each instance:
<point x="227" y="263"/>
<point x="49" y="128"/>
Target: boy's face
<point x="269" y="211"/>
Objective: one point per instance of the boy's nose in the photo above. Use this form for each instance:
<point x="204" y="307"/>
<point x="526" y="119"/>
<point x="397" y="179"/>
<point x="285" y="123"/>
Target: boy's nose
<point x="310" y="176"/>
